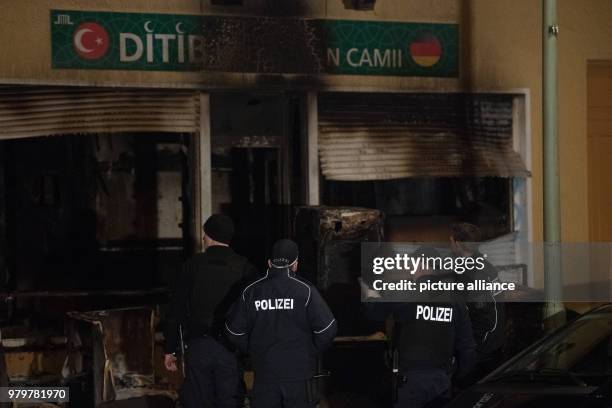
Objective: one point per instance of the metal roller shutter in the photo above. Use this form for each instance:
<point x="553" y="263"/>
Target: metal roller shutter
<point x="390" y="136"/>
<point x="44" y="111"/>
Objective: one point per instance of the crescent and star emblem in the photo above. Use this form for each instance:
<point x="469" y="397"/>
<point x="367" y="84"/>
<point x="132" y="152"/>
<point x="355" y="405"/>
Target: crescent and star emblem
<point x="91" y="41"/>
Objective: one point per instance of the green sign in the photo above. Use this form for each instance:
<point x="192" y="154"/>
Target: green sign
<point x="168" y="42"/>
<point x="380" y="48"/>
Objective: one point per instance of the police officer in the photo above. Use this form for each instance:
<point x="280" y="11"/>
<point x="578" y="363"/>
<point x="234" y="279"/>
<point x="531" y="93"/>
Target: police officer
<point x="283" y="322"/>
<point x="209" y="284"/>
<point x="486" y="309"/>
<point x="432" y="337"/>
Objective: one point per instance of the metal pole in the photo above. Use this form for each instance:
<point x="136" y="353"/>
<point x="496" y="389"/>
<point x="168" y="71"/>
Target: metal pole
<point x="203" y="171"/>
<point x="552" y="210"/>
<point x="313" y="148"/>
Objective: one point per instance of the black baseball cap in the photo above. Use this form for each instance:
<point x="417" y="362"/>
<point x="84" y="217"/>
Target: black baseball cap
<point x="426" y="251"/>
<point x="284" y="253"/>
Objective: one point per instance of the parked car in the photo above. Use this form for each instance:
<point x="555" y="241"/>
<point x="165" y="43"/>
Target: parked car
<point x="572" y="367"/>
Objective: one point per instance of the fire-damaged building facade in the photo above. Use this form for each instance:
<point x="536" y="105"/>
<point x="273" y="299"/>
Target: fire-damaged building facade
<point x="124" y="125"/>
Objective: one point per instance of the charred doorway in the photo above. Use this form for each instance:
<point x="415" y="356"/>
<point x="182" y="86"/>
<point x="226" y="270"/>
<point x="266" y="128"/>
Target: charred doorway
<point x="96" y="192"/>
<point x="92" y="182"/>
<point x="93" y="222"/>
<point x="255" y="167"/>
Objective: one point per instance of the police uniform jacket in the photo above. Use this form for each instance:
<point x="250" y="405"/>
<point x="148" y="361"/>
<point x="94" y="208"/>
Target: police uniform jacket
<point x="283" y="322"/>
<point x="208" y="285"/>
<point x="430" y="330"/>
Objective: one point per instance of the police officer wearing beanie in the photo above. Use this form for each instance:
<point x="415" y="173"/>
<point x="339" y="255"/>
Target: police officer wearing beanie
<point x="282" y="321"/>
<point x="210" y="282"/>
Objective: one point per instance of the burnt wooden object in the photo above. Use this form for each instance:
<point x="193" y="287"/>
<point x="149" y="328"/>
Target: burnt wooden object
<point x="330" y="241"/>
<point x="121" y="345"/>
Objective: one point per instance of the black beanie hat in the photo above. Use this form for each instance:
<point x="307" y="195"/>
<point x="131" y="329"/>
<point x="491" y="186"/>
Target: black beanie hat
<point x="284" y="253"/>
<point x="220" y="228"/>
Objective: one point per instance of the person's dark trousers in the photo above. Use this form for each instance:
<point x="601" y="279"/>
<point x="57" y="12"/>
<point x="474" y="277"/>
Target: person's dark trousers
<point x="280" y="395"/>
<point x="213" y="376"/>
<point x="424" y="388"/>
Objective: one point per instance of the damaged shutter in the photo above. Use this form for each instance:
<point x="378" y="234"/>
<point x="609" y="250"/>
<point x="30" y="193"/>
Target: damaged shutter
<point x="44" y="111"/>
<point x="390" y="136"/>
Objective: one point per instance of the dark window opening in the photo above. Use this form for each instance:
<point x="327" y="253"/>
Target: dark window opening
<point x="423" y="208"/>
<point x="94" y="212"/>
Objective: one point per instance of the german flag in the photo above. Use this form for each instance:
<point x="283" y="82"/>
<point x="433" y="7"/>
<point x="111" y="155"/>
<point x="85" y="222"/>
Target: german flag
<point x="426" y="50"/>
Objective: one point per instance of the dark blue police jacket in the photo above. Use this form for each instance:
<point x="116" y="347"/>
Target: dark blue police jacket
<point x="283" y="322"/>
<point x="429" y="333"/>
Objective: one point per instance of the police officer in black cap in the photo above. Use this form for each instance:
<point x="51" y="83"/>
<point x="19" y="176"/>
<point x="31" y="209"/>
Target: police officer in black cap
<point x="283" y="322"/>
<point x="432" y="337"/>
<point x="210" y="282"/>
